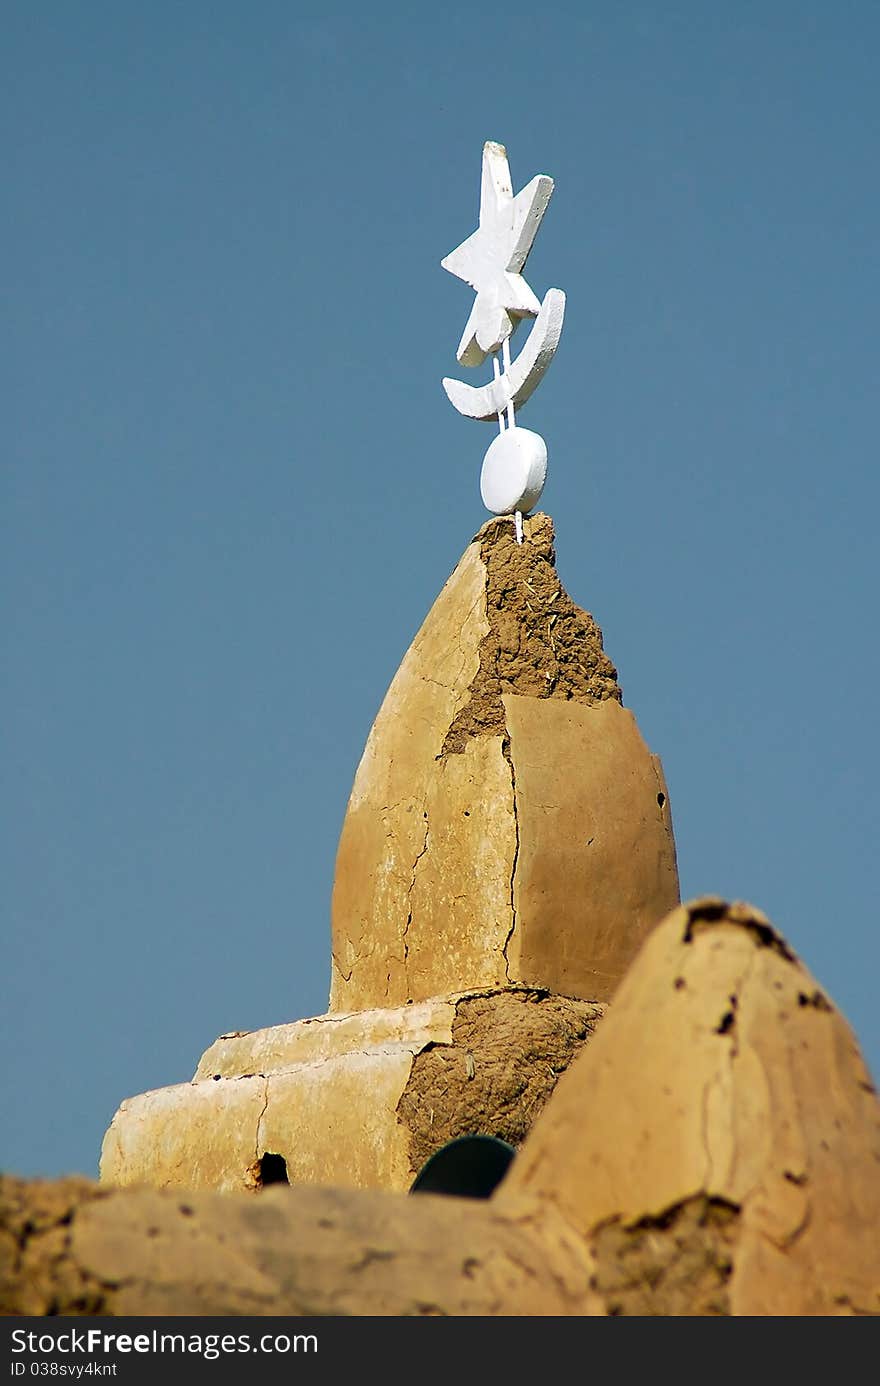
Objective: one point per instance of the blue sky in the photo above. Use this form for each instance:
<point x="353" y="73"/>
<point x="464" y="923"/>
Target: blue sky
<point x="232" y="485"/>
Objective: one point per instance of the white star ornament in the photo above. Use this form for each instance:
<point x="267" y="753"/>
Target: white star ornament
<point x="491" y="260"/>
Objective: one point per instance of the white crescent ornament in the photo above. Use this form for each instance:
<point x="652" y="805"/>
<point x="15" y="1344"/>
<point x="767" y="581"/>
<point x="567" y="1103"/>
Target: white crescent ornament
<point x="486" y="402"/>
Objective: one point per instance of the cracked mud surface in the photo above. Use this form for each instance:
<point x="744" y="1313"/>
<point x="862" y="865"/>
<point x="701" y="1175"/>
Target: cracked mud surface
<point x="539" y="644"/>
<point x="515" y="1045"/>
<point x="505" y="748"/>
<point x="433" y="855"/>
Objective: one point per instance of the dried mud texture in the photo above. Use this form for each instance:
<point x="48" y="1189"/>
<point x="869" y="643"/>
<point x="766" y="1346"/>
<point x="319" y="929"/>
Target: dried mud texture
<point x="676" y="1264"/>
<point x="749" y="1089"/>
<point x="493" y="1079"/>
<point x="539" y="643"/>
<point x="72" y="1249"/>
<point x="352" y="1100"/>
<point x="38" y="1275"/>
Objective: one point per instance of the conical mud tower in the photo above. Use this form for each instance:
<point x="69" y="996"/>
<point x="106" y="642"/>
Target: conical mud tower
<point x="507" y="822"/>
<point x="507" y="846"/>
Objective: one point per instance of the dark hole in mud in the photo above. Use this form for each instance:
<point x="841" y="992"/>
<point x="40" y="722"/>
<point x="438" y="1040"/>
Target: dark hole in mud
<point x="661" y="799"/>
<point x="272" y="1169"/>
<point x="816" y="999"/>
<point x="467" y="1167"/>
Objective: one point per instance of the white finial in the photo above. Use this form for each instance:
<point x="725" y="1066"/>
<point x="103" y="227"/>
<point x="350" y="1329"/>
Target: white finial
<point x="491" y="261"/>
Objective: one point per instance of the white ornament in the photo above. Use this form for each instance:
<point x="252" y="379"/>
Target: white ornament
<point x="515" y="386"/>
<point x="491" y="261"/>
<point x="514" y="472"/>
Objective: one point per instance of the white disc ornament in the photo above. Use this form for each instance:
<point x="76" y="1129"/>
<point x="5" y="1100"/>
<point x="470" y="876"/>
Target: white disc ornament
<point x="514" y="471"/>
